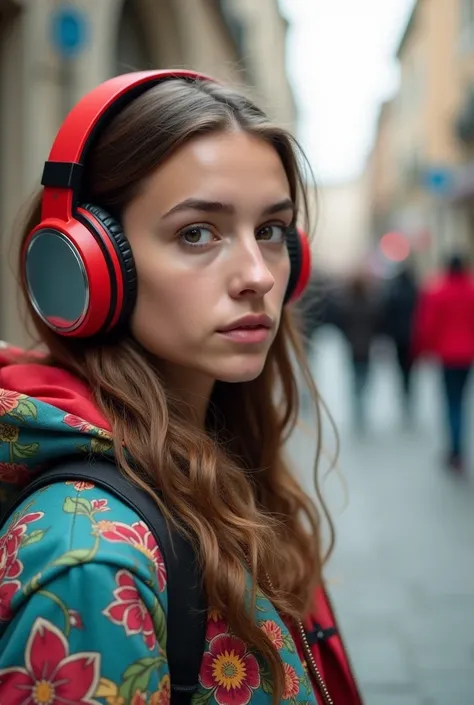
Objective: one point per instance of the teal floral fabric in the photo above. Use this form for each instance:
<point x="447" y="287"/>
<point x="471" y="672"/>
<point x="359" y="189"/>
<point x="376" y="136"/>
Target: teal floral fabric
<point x="83" y="591"/>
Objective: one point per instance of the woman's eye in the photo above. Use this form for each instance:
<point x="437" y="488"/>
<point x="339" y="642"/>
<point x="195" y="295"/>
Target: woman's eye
<point x="272" y="233"/>
<point x="196" y="236"/>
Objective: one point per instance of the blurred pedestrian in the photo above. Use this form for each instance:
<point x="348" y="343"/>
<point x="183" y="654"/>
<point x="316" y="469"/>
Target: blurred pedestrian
<point x="444" y="329"/>
<point x="358" y="319"/>
<point x="397" y="323"/>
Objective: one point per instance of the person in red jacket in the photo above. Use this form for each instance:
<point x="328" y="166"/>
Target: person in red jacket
<point x="444" y="329"/>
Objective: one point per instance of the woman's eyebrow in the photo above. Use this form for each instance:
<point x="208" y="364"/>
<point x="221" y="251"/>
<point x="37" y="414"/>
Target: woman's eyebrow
<point x="198" y="204"/>
<point x="285" y="205"/>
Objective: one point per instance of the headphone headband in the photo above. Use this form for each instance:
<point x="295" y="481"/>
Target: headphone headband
<point x="65" y="166"/>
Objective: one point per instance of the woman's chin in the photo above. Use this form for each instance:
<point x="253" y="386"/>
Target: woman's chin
<point x="245" y="372"/>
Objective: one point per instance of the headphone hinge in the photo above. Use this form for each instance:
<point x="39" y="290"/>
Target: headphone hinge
<point x="67" y="175"/>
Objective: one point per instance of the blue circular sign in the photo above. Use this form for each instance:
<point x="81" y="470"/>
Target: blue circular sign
<point x="438" y="180"/>
<point x="69" y="30"/>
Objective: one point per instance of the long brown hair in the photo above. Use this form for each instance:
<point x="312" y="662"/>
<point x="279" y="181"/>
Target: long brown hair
<point x="229" y="488"/>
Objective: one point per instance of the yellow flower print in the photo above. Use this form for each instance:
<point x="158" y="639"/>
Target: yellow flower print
<point x="103" y="433"/>
<point x="230" y="671"/>
<point x="101" y="445"/>
<point x="110" y="692"/>
<point x="163" y="694"/>
<point x="8" y="433"/>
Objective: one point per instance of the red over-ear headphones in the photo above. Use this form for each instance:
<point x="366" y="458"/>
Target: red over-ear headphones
<point x="77" y="264"/>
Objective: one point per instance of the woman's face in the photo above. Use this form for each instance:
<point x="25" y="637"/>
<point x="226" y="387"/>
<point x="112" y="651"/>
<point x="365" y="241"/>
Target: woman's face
<point x="208" y="238"/>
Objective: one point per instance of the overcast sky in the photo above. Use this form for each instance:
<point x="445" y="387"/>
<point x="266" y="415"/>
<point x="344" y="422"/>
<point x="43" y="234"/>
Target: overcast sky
<point x="340" y="63"/>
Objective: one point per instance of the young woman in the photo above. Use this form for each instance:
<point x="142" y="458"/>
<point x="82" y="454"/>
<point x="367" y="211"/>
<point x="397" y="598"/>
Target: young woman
<point x="156" y="265"/>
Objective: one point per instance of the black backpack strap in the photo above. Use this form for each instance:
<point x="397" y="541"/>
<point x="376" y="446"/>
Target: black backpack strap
<point x="187" y="609"/>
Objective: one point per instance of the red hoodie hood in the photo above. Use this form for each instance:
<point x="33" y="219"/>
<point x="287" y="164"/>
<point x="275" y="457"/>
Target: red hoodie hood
<point x="45" y="413"/>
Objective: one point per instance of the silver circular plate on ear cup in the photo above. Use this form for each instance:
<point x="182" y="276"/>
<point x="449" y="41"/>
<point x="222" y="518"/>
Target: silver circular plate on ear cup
<point x="56" y="280"/>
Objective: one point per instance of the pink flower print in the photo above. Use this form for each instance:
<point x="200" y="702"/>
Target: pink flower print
<point x="292" y="682"/>
<point x="80" y="486"/>
<point x="14" y="473"/>
<point x="10" y="566"/>
<point x="129" y="611"/>
<point x="100" y="505"/>
<point x="273" y="632"/>
<point x="76" y="422"/>
<point x="216" y="624"/>
<point x="9" y="401"/>
<point x="51" y="675"/>
<point x="7" y="591"/>
<point x="140" y="537"/>
<point x="230" y="670"/>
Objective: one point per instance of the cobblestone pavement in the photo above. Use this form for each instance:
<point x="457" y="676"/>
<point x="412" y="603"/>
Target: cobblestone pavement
<point x="402" y="574"/>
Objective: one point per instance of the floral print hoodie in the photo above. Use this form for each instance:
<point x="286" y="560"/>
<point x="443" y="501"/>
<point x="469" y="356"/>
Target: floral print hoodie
<point x="83" y="597"/>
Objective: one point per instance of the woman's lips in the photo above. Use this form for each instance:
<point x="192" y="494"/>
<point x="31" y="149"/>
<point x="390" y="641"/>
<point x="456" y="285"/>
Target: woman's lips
<point x="247" y="335"/>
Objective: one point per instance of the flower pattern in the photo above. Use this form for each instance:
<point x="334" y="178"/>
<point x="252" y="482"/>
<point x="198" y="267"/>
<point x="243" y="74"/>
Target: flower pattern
<point x="75" y="619"/>
<point x="81" y="486"/>
<point x="9" y="401"/>
<point x="61" y="651"/>
<point x="16" y="473"/>
<point x="230" y="670"/>
<point x="8" y="433"/>
<point x="216" y="624"/>
<point x="76" y="422"/>
<point x="7" y="592"/>
<point x="292" y="683"/>
<point x="100" y="505"/>
<point x="51" y="675"/>
<point x="273" y="632"/>
<point x="140" y="537"/>
<point x="52" y="671"/>
<point x="10" y="566"/>
<point x="84" y="426"/>
<point x="129" y="611"/>
<point x="163" y="695"/>
<point x="101" y="445"/>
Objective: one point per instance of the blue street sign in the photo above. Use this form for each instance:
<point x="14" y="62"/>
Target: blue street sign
<point x="438" y="180"/>
<point x="69" y="30"/>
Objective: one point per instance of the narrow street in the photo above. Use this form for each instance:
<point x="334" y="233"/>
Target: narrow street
<point x="402" y="573"/>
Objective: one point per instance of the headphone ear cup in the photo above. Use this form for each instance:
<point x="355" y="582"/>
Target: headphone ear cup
<point x="129" y="276"/>
<point x="299" y="251"/>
